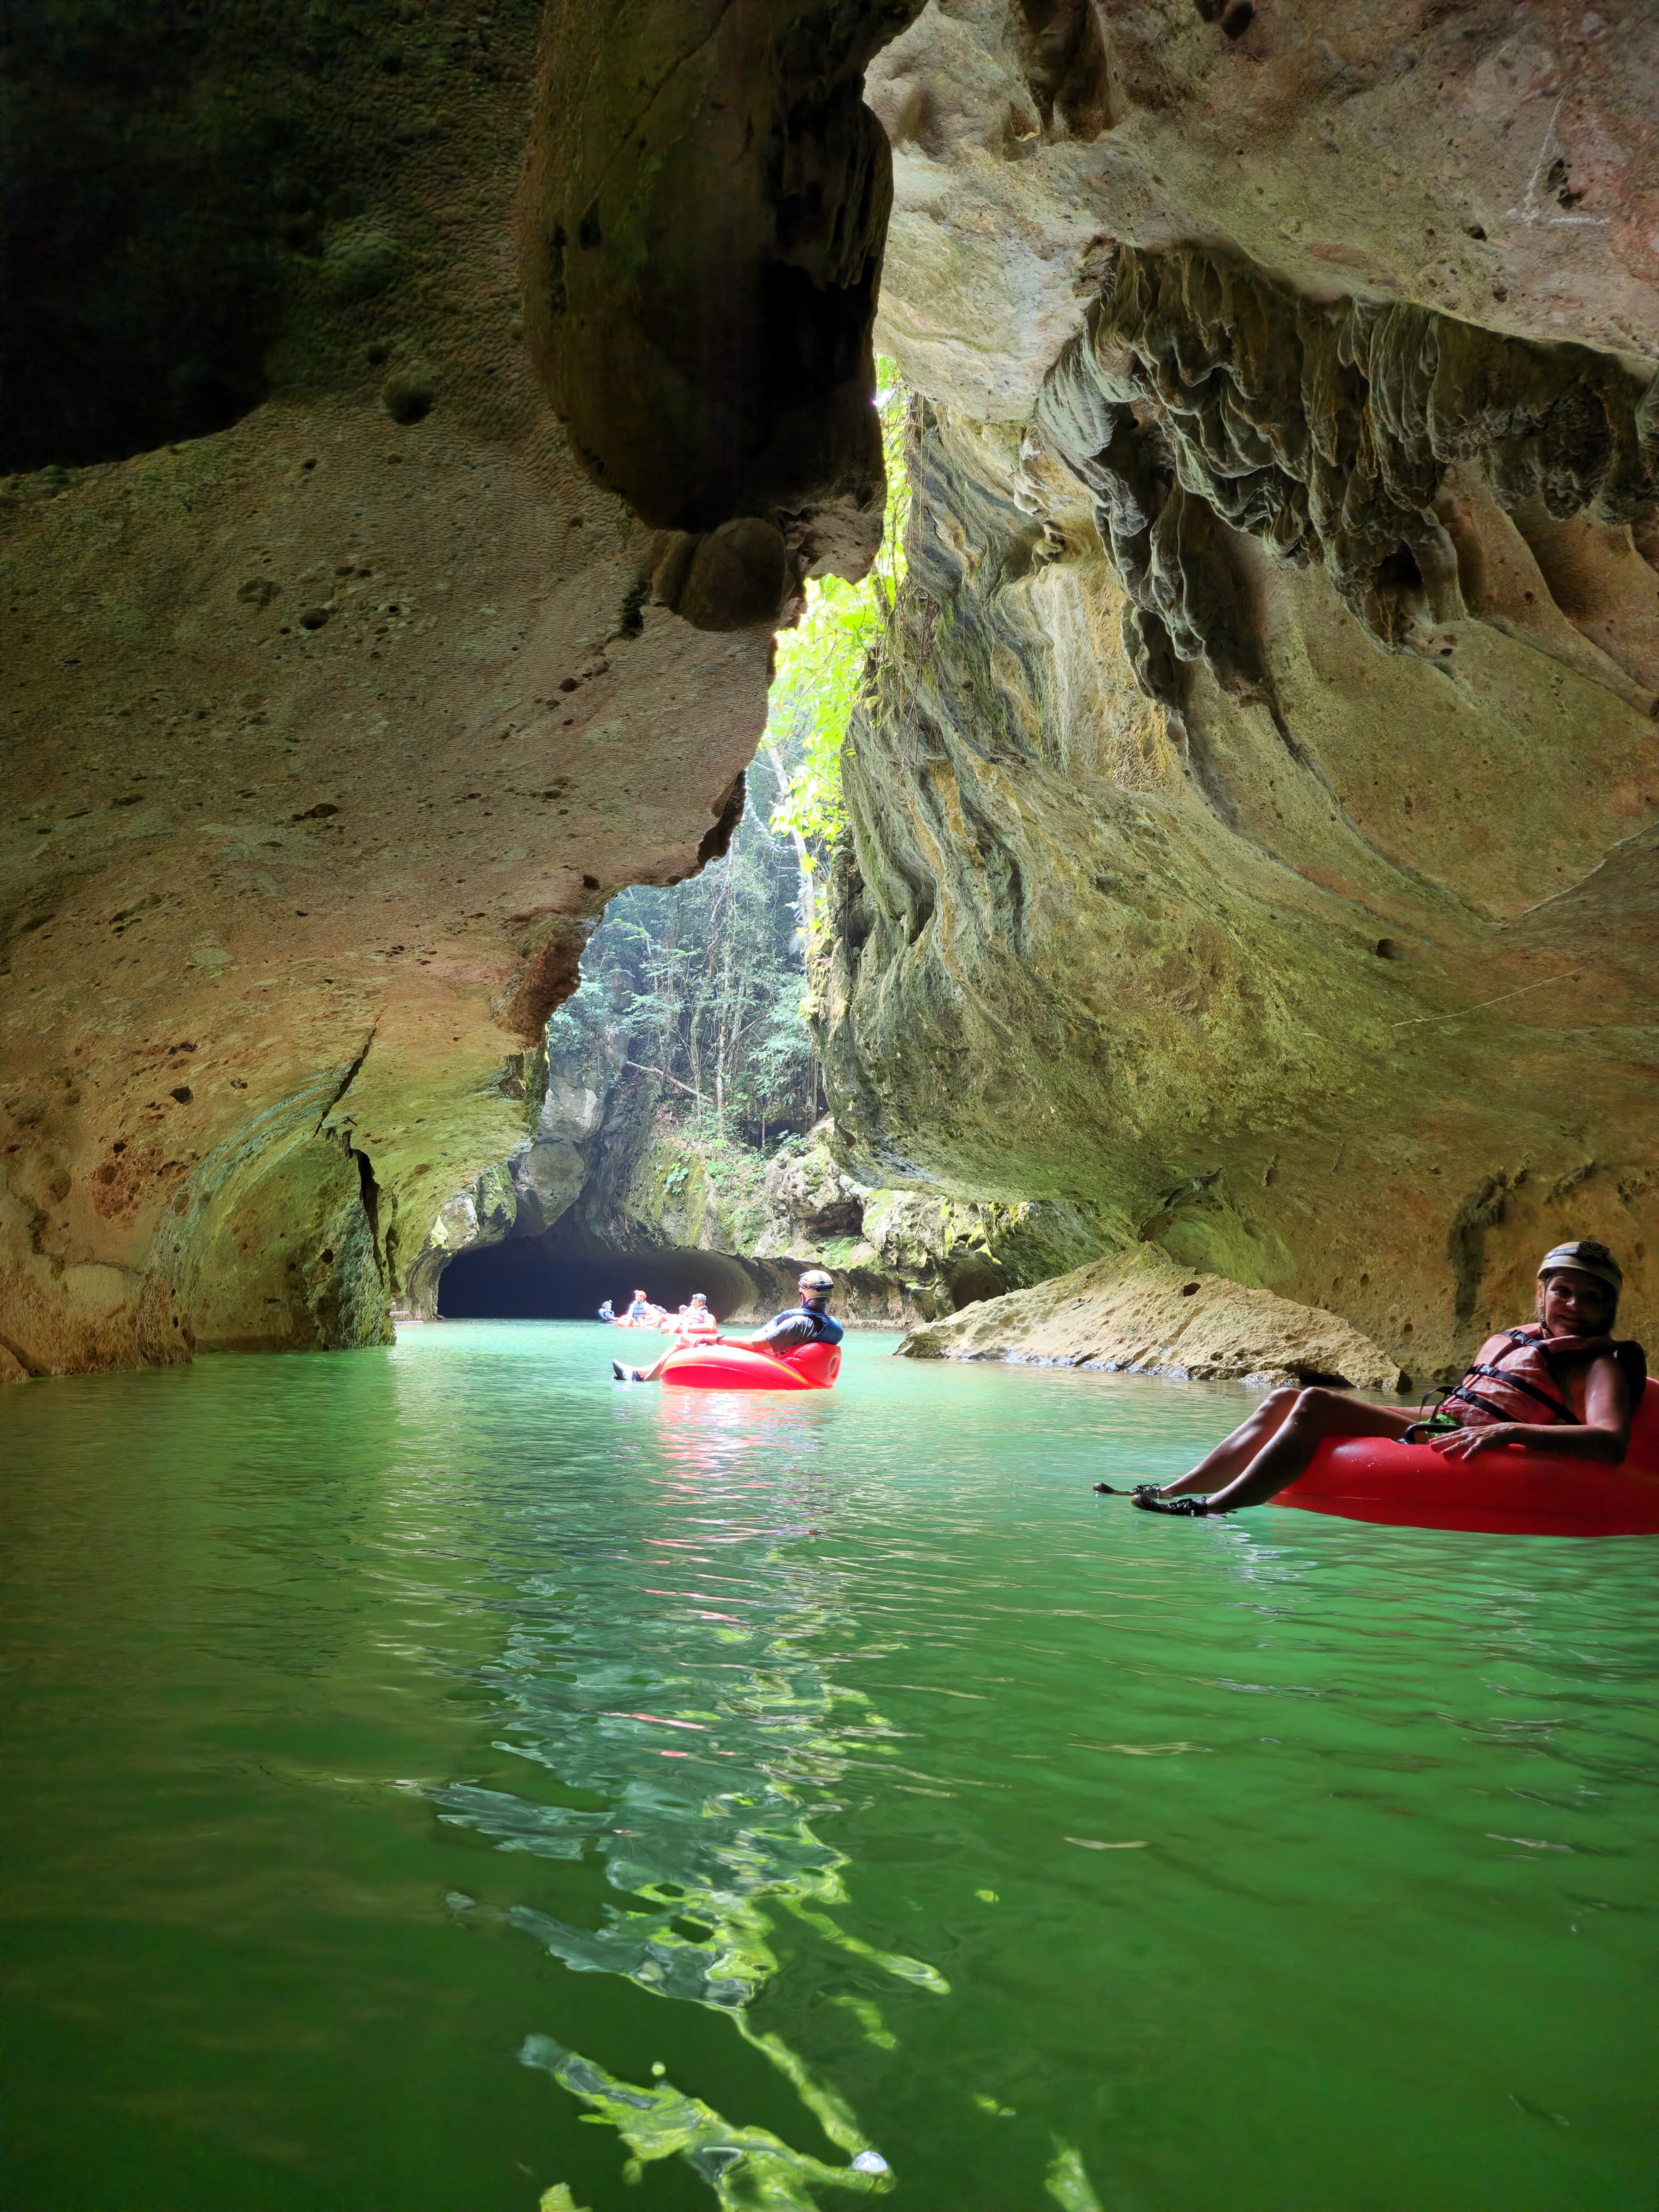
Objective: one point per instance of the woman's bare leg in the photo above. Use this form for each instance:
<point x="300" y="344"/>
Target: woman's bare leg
<point x="1285" y="1454"/>
<point x="1234" y="1452"/>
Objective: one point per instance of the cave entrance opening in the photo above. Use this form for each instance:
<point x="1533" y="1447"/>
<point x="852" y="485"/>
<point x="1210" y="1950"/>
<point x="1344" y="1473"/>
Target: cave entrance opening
<point x="537" y="1279"/>
<point x="681" y="1073"/>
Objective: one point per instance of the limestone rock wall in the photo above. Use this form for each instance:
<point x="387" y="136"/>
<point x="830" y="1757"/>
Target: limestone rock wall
<point x="344" y="686"/>
<point x="417" y="425"/>
<point x="1495" y="162"/>
<point x="951" y="1253"/>
<point x="1253" y="819"/>
<point x="1137" y="1313"/>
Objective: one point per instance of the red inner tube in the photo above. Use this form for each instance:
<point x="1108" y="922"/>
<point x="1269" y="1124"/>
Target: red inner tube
<point x="737" y="1367"/>
<point x="1509" y="1492"/>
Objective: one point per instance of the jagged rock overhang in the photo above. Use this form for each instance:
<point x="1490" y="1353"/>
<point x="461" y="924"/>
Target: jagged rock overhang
<point x="1229" y="878"/>
<point x="702" y="237"/>
<point x="1202" y="391"/>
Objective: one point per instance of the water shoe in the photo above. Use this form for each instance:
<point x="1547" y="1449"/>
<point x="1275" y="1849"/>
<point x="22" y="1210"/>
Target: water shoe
<point x="1192" y="1509"/>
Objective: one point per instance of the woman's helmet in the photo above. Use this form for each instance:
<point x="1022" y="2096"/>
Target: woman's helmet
<point x="1587" y="1257"/>
<point x="699" y="1298"/>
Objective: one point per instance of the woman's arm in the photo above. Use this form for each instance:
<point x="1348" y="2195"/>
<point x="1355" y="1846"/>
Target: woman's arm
<point x="1603" y="1435"/>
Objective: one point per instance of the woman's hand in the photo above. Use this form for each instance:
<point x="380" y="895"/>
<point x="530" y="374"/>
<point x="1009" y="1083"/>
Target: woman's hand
<point x="1464" y="1444"/>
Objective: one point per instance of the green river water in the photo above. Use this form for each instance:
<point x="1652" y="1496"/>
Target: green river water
<point x="432" y="1775"/>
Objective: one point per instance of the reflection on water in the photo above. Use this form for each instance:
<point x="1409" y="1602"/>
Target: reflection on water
<point x="438" y="1777"/>
<point x="697" y="1648"/>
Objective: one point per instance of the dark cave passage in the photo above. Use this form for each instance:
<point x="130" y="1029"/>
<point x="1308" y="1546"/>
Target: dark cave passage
<point x="532" y="1278"/>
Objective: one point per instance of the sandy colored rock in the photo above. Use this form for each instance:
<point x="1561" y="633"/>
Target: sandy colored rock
<point x="1253" y="825"/>
<point x="1261" y="847"/>
<point x="341" y="697"/>
<point x="1499" y="164"/>
<point x="1339" y="985"/>
<point x="1137" y="1313"/>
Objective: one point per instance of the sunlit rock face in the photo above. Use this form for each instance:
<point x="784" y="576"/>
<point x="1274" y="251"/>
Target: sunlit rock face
<point x="1253" y="819"/>
<point x="344" y="687"/>
<point x="1137" y="1313"/>
<point x="1498" y="163"/>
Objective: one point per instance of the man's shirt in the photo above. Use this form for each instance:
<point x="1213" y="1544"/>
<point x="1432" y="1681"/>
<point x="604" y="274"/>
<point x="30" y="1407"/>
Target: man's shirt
<point x="787" y="1332"/>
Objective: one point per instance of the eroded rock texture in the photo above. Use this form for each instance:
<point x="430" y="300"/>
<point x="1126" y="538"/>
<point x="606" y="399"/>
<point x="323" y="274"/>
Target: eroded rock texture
<point x="702" y="241"/>
<point x="1137" y="1313"/>
<point x="1495" y="161"/>
<point x="1253" y="820"/>
<point x="341" y="696"/>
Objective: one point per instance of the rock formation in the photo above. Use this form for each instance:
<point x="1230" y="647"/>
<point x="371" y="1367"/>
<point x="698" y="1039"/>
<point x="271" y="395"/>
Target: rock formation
<point x="1137" y="1313"/>
<point x="610" y="1183"/>
<point x="1253" y="820"/>
<point x="346" y="684"/>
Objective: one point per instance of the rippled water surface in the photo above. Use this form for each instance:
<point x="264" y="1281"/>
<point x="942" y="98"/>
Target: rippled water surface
<point x="411" y="1756"/>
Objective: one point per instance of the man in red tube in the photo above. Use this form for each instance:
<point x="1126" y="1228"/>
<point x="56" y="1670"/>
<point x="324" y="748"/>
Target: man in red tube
<point x="810" y="1322"/>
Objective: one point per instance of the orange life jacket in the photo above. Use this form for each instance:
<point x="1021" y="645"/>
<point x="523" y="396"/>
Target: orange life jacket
<point x="1514" y="1377"/>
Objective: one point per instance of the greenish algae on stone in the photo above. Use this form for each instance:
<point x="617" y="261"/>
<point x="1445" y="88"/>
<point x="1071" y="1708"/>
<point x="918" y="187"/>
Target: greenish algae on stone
<point x="1275" y="875"/>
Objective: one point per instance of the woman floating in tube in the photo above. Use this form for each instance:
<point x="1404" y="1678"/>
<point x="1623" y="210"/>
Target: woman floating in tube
<point x="1559" y="1384"/>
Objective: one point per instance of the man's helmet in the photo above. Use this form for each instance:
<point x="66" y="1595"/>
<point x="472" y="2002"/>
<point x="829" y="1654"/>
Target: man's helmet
<point x="815" y="1283"/>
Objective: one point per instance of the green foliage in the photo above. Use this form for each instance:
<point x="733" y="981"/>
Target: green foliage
<point x="822" y="662"/>
<point x="702" y="984"/>
<point x="697" y="1185"/>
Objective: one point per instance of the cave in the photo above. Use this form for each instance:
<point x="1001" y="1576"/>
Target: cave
<point x="1149" y="516"/>
<point x="538" y="1279"/>
<point x="393" y="577"/>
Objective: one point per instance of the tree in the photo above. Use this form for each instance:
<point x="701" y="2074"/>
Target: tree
<point x="704" y="981"/>
<point x="823" y="662"/>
